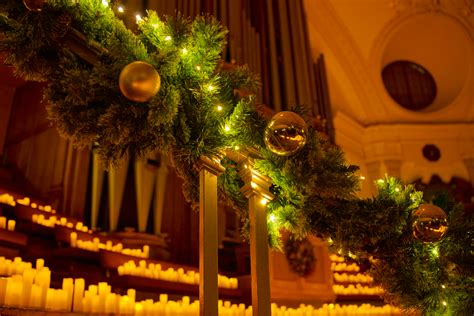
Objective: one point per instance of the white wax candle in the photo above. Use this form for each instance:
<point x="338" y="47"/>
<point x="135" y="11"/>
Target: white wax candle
<point x="35" y="297"/>
<point x="3" y="288"/>
<point x="39" y="264"/>
<point x="68" y="287"/>
<point x="11" y="225"/>
<point x="3" y="222"/>
<point x="78" y="295"/>
<point x="73" y="239"/>
<point x="28" y="277"/>
<point x="110" y="303"/>
<point x="14" y="291"/>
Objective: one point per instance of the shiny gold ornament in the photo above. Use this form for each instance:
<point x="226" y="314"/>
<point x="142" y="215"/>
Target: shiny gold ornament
<point x="430" y="223"/>
<point x="286" y="133"/>
<point x="34" y="5"/>
<point x="139" y="81"/>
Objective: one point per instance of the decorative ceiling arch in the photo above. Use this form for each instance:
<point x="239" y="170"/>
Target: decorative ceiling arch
<point x="325" y="24"/>
<point x="452" y="12"/>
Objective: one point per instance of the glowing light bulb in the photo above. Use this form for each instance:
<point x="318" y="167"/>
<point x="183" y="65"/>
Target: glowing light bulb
<point x="227" y="128"/>
<point x="263" y="201"/>
<point x="138" y="17"/>
<point x="168" y="38"/>
<point x="362" y="177"/>
<point x="397" y="189"/>
<point x="105" y="3"/>
<point x="380" y="181"/>
<point x="219" y="108"/>
<point x="445" y="303"/>
<point x="184" y="50"/>
<point x="443" y="286"/>
<point x="237" y="148"/>
<point x="210" y="87"/>
<point x="272" y="218"/>
<point x="120" y="9"/>
<point x="198" y="67"/>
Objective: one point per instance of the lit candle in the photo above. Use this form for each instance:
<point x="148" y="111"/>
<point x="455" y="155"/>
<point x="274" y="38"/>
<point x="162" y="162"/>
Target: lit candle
<point x="28" y="277"/>
<point x="3" y="288"/>
<point x="68" y="288"/>
<point x="35" y="297"/>
<point x="74" y="239"/>
<point x="3" y="222"/>
<point x="78" y="295"/>
<point x="14" y="291"/>
<point x="39" y="264"/>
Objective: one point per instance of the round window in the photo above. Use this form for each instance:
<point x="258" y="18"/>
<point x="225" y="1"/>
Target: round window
<point x="409" y="84"/>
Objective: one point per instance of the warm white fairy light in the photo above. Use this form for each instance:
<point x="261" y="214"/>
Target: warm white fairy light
<point x="198" y="67"/>
<point x="397" y="189"/>
<point x="184" y="50"/>
<point x="219" y="108"/>
<point x="445" y="303"/>
<point x="272" y="218"/>
<point x="168" y="38"/>
<point x="138" y="17"/>
<point x="227" y="128"/>
<point x="263" y="201"/>
<point x="120" y="9"/>
<point x="105" y="3"/>
<point x="210" y="88"/>
<point x="362" y="177"/>
<point x="443" y="286"/>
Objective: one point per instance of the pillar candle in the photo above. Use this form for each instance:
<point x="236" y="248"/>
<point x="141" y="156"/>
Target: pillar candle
<point x="3" y="222"/>
<point x="39" y="264"/>
<point x="28" y="277"/>
<point x="3" y="288"/>
<point x="73" y="239"/>
<point x="78" y="295"/>
<point x="11" y="225"/>
<point x="68" y="287"/>
<point x="103" y="290"/>
<point x="35" y="297"/>
<point x="14" y="291"/>
<point x="95" y="304"/>
<point x="110" y="303"/>
<point x="43" y="279"/>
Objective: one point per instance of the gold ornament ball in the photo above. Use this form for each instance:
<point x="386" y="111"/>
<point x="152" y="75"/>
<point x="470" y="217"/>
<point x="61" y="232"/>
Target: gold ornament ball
<point x="430" y="223"/>
<point x="139" y="81"/>
<point x="286" y="133"/>
<point x="34" y="5"/>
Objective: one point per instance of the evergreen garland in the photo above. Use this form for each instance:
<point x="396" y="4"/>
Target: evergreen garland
<point x="198" y="112"/>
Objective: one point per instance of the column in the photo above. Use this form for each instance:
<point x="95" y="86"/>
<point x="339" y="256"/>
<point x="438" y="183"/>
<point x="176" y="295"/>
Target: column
<point x="256" y="189"/>
<point x="209" y="169"/>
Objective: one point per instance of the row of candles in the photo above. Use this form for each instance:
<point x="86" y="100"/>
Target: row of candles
<point x="357" y="289"/>
<point x="155" y="271"/>
<point x="7" y="223"/>
<point x="7" y="199"/>
<point x="28" y="287"/>
<point x="95" y="245"/>
<point x="353" y="278"/>
<point x="53" y="221"/>
<point x="339" y="267"/>
<point x="27" y="202"/>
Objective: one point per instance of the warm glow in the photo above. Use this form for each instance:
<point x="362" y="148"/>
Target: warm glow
<point x="105" y="3"/>
<point x="210" y="87"/>
<point x="168" y="38"/>
<point x="219" y="108"/>
<point x="263" y="201"/>
<point x="198" y="67"/>
<point x="272" y="218"/>
<point x="120" y="9"/>
<point x="362" y="177"/>
<point x="184" y="51"/>
<point x="138" y="17"/>
<point x="445" y="303"/>
<point x="227" y="128"/>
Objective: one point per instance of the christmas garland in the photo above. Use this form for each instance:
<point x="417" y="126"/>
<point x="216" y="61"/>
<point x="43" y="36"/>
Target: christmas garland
<point x="197" y="112"/>
<point x="300" y="255"/>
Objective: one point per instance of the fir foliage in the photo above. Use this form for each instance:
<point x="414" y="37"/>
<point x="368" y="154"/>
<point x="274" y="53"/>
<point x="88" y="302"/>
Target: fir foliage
<point x="205" y="109"/>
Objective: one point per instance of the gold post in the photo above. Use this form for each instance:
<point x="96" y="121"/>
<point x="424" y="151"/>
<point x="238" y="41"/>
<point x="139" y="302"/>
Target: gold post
<point x="209" y="169"/>
<point x="256" y="189"/>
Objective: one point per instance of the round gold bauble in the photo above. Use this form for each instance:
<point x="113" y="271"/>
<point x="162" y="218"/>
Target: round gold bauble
<point x="286" y="133"/>
<point x="430" y="223"/>
<point x="139" y="81"/>
<point x="34" y="5"/>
